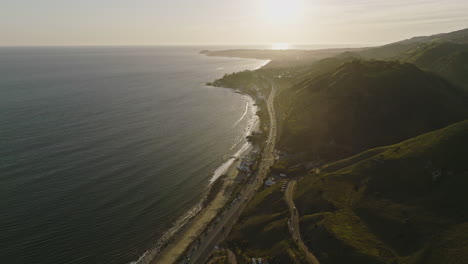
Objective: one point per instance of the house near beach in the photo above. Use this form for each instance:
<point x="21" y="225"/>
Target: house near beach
<point x="270" y="182"/>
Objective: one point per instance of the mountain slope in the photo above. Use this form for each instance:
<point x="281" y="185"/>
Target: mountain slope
<point x="404" y="203"/>
<point x="458" y="36"/>
<point x="365" y="104"/>
<point x="445" y="54"/>
<point x="397" y="49"/>
<point x="449" y="60"/>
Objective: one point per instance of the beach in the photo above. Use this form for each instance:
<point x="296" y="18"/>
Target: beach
<point x="193" y="239"/>
<point x="187" y="229"/>
<point x="181" y="240"/>
<point x="189" y="233"/>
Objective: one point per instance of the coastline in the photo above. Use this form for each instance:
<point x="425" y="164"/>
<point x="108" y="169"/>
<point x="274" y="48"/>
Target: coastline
<point x="188" y="234"/>
<point x="178" y="239"/>
<point x="184" y="238"/>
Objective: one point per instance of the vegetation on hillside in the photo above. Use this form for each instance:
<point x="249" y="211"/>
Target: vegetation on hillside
<point x="262" y="231"/>
<point x="394" y="51"/>
<point x="365" y="104"/>
<point x="449" y="60"/>
<point x="404" y="203"/>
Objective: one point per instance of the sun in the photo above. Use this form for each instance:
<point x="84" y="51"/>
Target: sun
<point x="281" y="11"/>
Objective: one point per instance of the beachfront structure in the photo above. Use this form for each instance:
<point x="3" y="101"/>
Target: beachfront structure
<point x="270" y="182"/>
<point x="259" y="261"/>
<point x="245" y="164"/>
<point x="243" y="167"/>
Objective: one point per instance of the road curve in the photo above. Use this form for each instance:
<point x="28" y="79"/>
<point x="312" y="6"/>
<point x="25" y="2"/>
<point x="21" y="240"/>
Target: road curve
<point x="293" y="223"/>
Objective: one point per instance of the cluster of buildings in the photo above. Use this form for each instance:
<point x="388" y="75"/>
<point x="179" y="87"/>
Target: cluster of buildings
<point x="244" y="166"/>
<point x="247" y="162"/>
<point x="259" y="261"/>
<point x="270" y="181"/>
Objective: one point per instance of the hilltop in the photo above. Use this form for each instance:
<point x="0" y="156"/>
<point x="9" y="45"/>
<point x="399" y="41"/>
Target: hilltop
<point x="449" y="60"/>
<point x="444" y="54"/>
<point x="365" y="104"/>
<point x="295" y="57"/>
<point x="394" y="51"/>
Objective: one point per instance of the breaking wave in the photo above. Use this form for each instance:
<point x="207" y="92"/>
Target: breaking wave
<point x="243" y="115"/>
<point x="152" y="253"/>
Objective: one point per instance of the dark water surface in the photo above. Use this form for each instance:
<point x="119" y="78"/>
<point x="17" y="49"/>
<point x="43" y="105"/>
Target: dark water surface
<point x="102" y="149"/>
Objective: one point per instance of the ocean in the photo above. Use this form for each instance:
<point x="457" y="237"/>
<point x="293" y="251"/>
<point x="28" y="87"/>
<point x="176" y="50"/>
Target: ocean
<point x="105" y="150"/>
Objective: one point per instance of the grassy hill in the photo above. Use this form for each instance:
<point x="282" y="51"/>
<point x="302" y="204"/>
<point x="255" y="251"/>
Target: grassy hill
<point x="385" y="205"/>
<point x="404" y="203"/>
<point x="449" y="60"/>
<point x="445" y="54"/>
<point x="394" y="51"/>
<point x="262" y="231"/>
<point x="364" y="104"/>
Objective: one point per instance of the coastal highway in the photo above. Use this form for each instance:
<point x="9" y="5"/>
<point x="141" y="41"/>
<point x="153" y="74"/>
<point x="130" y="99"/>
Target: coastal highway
<point x="294" y="227"/>
<point x="200" y="252"/>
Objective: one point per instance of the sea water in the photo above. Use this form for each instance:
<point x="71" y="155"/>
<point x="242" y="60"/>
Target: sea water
<point x="106" y="150"/>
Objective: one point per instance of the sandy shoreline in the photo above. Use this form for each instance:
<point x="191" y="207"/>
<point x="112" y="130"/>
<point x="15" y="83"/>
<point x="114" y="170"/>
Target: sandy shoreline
<point x="194" y="228"/>
<point x="171" y="248"/>
<point x="175" y="245"/>
<point x="182" y="239"/>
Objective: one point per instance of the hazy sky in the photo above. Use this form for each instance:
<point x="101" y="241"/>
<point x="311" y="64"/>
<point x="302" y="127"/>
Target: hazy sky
<point x="146" y="22"/>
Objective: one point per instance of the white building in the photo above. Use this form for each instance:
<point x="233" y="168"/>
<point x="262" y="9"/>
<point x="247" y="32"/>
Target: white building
<point x="270" y="182"/>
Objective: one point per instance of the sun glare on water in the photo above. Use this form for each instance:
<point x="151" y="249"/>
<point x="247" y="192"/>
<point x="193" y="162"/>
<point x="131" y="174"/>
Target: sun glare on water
<point x="280" y="46"/>
<point x="281" y="11"/>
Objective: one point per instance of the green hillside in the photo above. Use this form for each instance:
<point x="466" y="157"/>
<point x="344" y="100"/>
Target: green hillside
<point x="262" y="231"/>
<point x="404" y="203"/>
<point x="449" y="60"/>
<point x="394" y="51"/>
<point x="445" y="54"/>
<point x="365" y="104"/>
<point x="385" y="205"/>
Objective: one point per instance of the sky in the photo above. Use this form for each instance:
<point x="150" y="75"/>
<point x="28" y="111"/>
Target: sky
<point x="239" y="22"/>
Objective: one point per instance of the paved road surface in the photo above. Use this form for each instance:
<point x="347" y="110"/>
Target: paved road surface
<point x="200" y="252"/>
<point x="294" y="227"/>
<point x="231" y="257"/>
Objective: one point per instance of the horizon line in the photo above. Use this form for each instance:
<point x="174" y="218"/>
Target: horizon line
<point x="188" y="44"/>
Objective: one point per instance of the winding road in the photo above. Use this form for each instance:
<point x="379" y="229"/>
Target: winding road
<point x="293" y="223"/>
